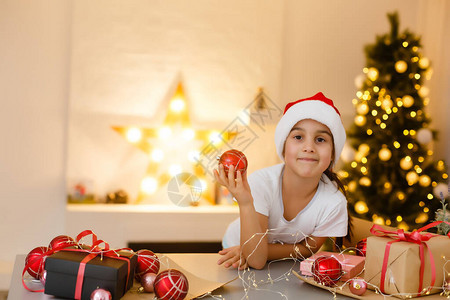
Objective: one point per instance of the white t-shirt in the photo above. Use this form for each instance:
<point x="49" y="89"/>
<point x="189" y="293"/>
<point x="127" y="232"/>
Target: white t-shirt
<point x="325" y="215"/>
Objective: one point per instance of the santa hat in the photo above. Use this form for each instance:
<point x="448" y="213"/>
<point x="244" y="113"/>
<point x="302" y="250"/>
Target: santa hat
<point x="317" y="107"/>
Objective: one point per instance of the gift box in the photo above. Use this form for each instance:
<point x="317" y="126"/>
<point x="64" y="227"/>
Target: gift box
<point x="106" y="270"/>
<point x="352" y="265"/>
<point x="402" y="266"/>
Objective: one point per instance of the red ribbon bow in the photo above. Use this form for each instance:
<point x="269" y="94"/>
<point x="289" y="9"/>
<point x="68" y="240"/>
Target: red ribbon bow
<point x="418" y="237"/>
<point x="93" y="251"/>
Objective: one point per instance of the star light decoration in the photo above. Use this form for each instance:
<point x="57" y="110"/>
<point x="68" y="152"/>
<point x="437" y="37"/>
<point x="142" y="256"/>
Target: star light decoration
<point x="173" y="148"/>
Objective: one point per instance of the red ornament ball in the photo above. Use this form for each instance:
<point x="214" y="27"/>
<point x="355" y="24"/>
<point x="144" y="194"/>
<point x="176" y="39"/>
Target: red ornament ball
<point x="326" y="270"/>
<point x="147" y="281"/>
<point x="147" y="262"/>
<point x="61" y="242"/>
<point x="171" y="284"/>
<point x="101" y="294"/>
<point x="234" y="158"/>
<point x="358" y="286"/>
<point x="361" y="247"/>
<point x="35" y="261"/>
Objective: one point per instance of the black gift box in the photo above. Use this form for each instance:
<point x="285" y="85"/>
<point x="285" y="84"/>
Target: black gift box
<point x="109" y="273"/>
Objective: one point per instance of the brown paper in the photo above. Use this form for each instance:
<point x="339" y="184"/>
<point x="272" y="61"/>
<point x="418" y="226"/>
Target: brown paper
<point x="403" y="268"/>
<point x="203" y="274"/>
<point x="343" y="289"/>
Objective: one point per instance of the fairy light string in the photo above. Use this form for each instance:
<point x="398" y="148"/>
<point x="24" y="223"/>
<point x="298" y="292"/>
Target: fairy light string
<point x="250" y="282"/>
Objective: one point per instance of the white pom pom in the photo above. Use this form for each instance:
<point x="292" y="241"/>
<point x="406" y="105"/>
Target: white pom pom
<point x="440" y="188"/>
<point x="359" y="81"/>
<point x="348" y="153"/>
<point x="424" y="136"/>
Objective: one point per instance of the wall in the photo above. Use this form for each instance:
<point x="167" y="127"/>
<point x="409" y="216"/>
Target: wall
<point x="33" y="117"/>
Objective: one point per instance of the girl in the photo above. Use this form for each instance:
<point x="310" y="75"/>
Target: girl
<point x="282" y="205"/>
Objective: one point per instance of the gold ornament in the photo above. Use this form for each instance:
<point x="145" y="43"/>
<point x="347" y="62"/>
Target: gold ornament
<point x="387" y="103"/>
<point x="403" y="226"/>
<point x="423" y="91"/>
<point x="406" y="163"/>
<point x="360" y="120"/>
<point x="408" y="101"/>
<point x="424" y="180"/>
<point x="352" y="186"/>
<point x="412" y="177"/>
<point x="365" y="181"/>
<point x="362" y="108"/>
<point x="401" y="66"/>
<point x="385" y="154"/>
<point x="364" y="149"/>
<point x="424" y="63"/>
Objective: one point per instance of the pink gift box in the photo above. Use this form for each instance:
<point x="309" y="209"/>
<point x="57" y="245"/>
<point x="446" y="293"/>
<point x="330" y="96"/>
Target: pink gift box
<point x="352" y="265"/>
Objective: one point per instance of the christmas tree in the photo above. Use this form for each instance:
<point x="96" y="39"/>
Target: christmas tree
<point x="390" y="175"/>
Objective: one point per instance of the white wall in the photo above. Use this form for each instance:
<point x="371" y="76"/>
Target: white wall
<point x="34" y="39"/>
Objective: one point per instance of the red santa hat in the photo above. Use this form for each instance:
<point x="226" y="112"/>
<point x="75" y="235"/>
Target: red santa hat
<point x="318" y="108"/>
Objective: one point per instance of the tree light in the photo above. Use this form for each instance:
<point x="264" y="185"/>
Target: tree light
<point x="134" y="135"/>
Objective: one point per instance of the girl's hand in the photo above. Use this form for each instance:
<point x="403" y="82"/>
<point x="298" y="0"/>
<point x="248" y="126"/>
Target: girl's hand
<point x="238" y="186"/>
<point x="231" y="257"/>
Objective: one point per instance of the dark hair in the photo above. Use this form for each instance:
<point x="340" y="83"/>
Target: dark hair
<point x="334" y="177"/>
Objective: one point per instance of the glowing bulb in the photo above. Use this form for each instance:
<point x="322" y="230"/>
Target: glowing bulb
<point x="372" y="74"/>
<point x="188" y="134"/>
<point x="134" y="135"/>
<point x="177" y="104"/>
<point x="421" y="218"/>
<point x="401" y="196"/>
<point x="157" y="155"/>
<point x="175" y="169"/>
<point x="365" y="181"/>
<point x="193" y="156"/>
<point x="403" y="226"/>
<point x="203" y="185"/>
<point x="149" y="185"/>
<point x="164" y="132"/>
<point x="361" y="207"/>
<point x="215" y="137"/>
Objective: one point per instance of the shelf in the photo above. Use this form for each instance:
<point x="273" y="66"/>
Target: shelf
<point x="119" y="224"/>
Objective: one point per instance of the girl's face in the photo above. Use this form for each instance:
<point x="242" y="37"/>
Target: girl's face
<point x="308" y="149"/>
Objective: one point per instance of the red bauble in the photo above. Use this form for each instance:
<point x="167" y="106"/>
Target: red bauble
<point x="147" y="262"/>
<point x="36" y="260"/>
<point x="61" y="242"/>
<point x="101" y="294"/>
<point x="358" y="286"/>
<point x="147" y="281"/>
<point x="234" y="158"/>
<point x="171" y="284"/>
<point x="326" y="270"/>
<point x="361" y="247"/>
